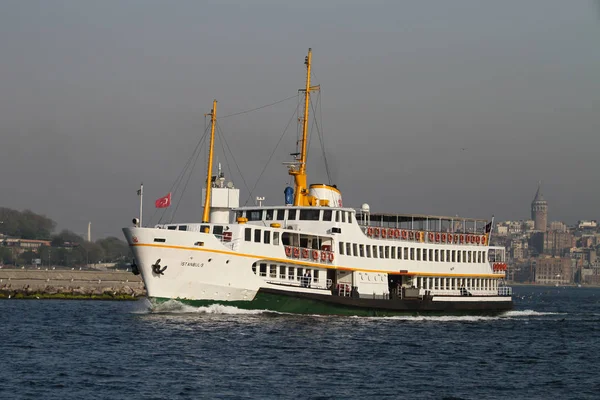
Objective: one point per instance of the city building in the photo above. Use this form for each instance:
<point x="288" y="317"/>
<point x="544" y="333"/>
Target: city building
<point x="551" y="243"/>
<point x="553" y="271"/>
<point x="558" y="226"/>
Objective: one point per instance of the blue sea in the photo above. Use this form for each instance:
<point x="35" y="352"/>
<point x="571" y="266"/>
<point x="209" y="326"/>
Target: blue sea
<point x="548" y="347"/>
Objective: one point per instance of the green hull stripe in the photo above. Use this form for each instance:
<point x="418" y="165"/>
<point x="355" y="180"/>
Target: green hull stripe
<point x="289" y="304"/>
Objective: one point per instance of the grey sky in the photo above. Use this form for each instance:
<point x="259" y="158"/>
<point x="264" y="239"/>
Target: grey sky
<point x="99" y="96"/>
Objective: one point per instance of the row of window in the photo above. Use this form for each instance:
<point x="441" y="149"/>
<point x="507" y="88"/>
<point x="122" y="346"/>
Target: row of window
<point x="412" y="253"/>
<point x="293" y="214"/>
<point x="283" y="272"/>
<point x="261" y="236"/>
<point x="435" y="283"/>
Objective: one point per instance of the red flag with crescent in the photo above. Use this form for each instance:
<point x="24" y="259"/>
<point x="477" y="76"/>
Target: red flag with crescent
<point x="163" y="202"/>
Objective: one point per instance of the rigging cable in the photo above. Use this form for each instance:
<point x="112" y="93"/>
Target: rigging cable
<point x="270" y="157"/>
<point x="232" y="156"/>
<point x="258" y="108"/>
<point x="322" y="136"/>
<point x="183" y="171"/>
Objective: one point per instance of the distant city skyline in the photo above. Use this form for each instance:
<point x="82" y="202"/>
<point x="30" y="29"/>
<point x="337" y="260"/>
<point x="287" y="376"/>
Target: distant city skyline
<point x="439" y="108"/>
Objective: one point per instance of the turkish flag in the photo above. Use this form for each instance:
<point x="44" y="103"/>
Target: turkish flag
<point x="163" y="202"/>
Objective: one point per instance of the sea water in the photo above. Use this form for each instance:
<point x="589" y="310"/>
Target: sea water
<point x="548" y="347"/>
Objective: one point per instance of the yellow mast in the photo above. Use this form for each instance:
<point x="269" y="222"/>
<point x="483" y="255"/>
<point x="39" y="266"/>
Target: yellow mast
<point x="301" y="197"/>
<point x="213" y="120"/>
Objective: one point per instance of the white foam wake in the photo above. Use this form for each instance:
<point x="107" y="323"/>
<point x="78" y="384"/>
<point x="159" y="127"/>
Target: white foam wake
<point x="175" y="307"/>
<point x="527" y="313"/>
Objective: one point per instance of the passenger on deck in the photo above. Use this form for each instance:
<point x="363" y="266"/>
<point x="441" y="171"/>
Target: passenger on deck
<point x="307" y="279"/>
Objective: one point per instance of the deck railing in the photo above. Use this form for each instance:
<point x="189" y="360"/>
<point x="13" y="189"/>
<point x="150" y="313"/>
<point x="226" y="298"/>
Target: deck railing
<point x="437" y="237"/>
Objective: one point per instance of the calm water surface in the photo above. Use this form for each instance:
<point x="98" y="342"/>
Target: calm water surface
<point x="549" y="347"/>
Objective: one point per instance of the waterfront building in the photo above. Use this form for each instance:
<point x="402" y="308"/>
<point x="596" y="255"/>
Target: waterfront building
<point x="553" y="270"/>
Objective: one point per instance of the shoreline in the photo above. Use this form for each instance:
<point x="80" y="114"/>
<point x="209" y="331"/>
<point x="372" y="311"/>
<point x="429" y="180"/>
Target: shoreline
<point x="66" y="284"/>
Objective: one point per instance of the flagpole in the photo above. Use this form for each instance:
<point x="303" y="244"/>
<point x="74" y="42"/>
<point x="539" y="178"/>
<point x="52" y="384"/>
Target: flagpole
<point x="141" y="202"/>
<point x="491" y="230"/>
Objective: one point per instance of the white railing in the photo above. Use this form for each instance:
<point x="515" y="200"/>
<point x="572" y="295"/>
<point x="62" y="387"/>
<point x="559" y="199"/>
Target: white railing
<point x="504" y="291"/>
<point x="299" y="282"/>
<point x="471" y="292"/>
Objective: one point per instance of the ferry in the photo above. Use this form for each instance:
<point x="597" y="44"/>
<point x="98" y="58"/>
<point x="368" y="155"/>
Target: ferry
<point x="313" y="255"/>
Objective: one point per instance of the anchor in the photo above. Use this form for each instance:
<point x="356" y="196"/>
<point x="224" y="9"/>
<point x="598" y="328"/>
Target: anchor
<point x="134" y="268"/>
<point x="157" y="269"/>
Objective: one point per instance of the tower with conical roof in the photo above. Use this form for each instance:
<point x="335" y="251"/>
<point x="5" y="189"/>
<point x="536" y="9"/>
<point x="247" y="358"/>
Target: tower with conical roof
<point x="539" y="210"/>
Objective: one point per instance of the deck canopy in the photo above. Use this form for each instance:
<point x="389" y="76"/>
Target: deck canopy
<point x="423" y="222"/>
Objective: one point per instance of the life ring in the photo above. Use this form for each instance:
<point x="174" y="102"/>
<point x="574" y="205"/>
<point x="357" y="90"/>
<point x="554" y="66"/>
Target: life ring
<point x="384" y="233"/>
<point x="296" y="252"/>
<point x="417" y="236"/>
<point x="288" y="251"/>
<point x="376" y="232"/>
<point x="370" y="231"/>
<point x="462" y="238"/>
<point x="404" y="235"/>
<point x="437" y="237"/>
<point x="450" y="238"/>
<point x="323" y="256"/>
<point x="430" y="236"/>
<point x="304" y="253"/>
<point x="397" y="233"/>
<point x="456" y="238"/>
<point x="315" y="254"/>
<point x="411" y="235"/>
<point x="477" y="239"/>
<point x="483" y="240"/>
<point x="468" y="238"/>
<point x="391" y="233"/>
<point x="443" y="237"/>
<point x="330" y="257"/>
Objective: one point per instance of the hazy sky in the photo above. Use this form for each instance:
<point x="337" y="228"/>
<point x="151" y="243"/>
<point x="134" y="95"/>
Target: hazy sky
<point x="439" y="107"/>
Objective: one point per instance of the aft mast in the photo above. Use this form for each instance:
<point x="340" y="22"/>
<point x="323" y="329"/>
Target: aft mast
<point x="298" y="171"/>
<point x="213" y="120"/>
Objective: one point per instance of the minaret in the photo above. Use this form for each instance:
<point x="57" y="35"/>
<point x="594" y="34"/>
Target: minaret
<point x="539" y="210"/>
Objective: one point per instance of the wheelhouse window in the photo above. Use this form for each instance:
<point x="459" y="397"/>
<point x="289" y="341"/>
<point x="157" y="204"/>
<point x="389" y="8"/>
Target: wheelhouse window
<point x="337" y="216"/>
<point x="276" y="238"/>
<point x="257" y="235"/>
<point x="248" y="234"/>
<point x="362" y="250"/>
<point x="254" y="215"/>
<point x="343" y="216"/>
<point x="269" y="215"/>
<point x="355" y="249"/>
<point x="341" y="248"/>
<point x="292" y="214"/>
<point x="280" y="215"/>
<point x="309" y="215"/>
<point x="267" y="237"/>
<point x="184" y="227"/>
<point x="327" y="215"/>
<point x="348" y="249"/>
<point x="349" y="217"/>
<point x="368" y="251"/>
<point x="218" y="230"/>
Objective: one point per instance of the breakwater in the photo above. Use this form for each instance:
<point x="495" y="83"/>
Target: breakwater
<point x="60" y="283"/>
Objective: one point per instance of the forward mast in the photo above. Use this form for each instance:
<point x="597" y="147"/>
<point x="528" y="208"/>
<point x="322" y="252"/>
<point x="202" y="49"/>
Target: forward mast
<point x="298" y="169"/>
